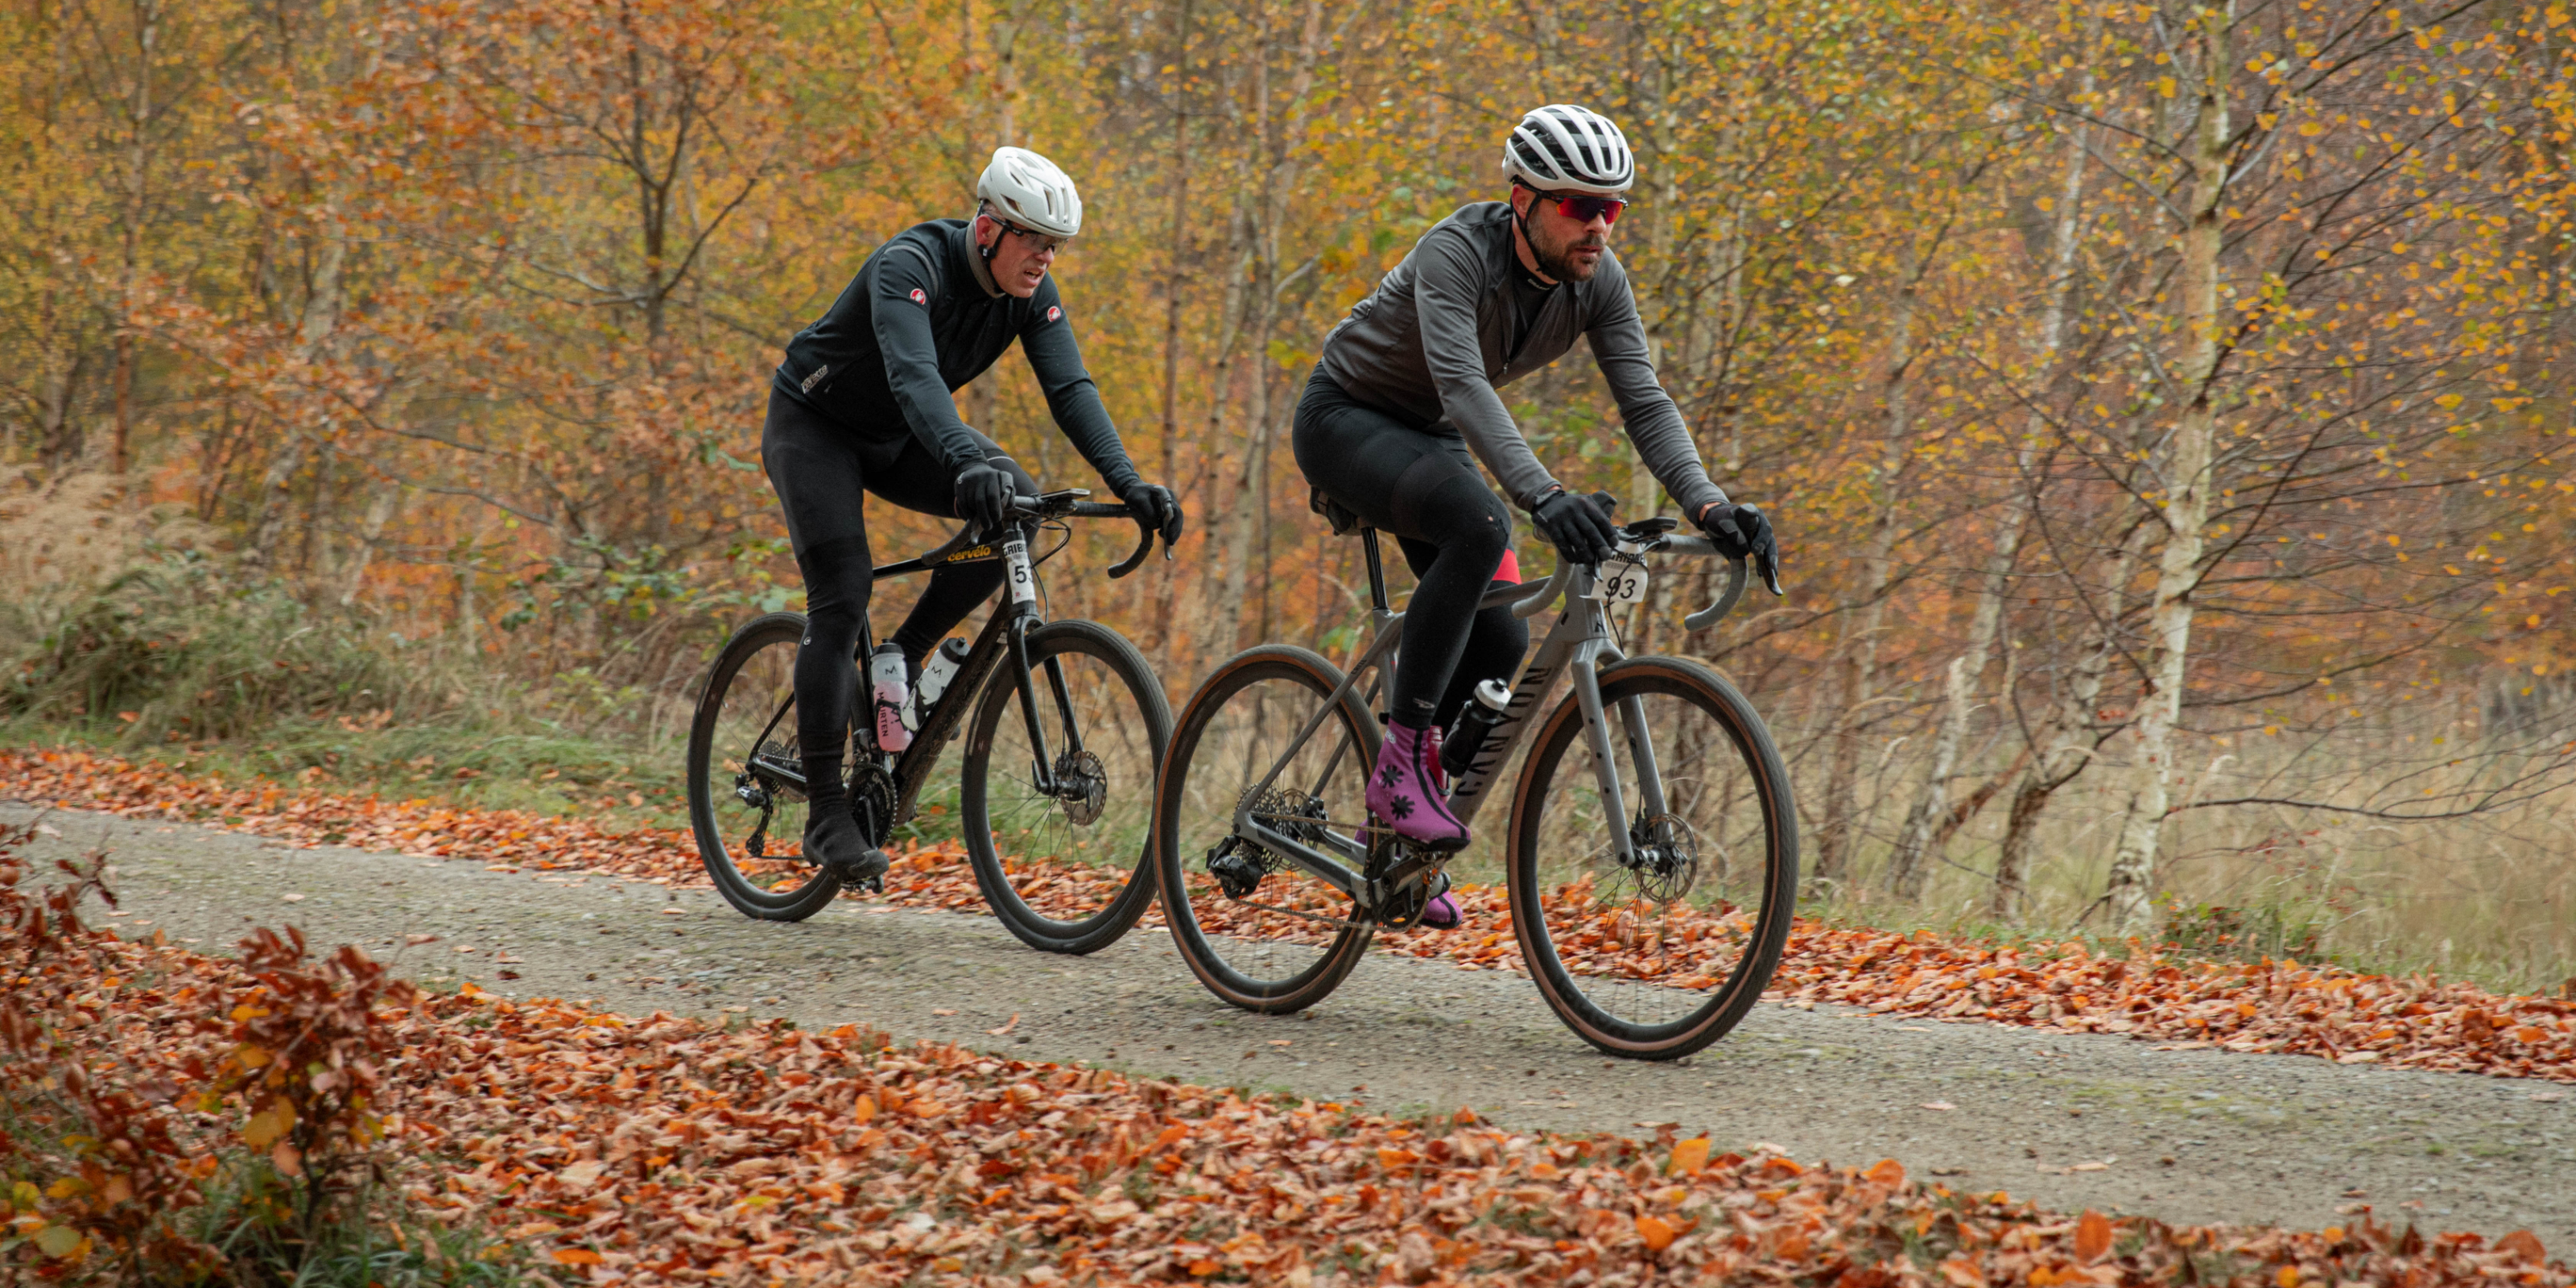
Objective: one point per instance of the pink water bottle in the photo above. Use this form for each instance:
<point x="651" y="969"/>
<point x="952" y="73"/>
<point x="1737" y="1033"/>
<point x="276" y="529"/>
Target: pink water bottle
<point x="886" y="677"/>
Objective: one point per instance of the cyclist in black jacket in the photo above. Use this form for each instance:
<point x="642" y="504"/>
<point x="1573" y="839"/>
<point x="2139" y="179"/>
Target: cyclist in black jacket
<point x="862" y="404"/>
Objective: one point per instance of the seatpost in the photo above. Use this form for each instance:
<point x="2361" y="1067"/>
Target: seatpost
<point x="1377" y="570"/>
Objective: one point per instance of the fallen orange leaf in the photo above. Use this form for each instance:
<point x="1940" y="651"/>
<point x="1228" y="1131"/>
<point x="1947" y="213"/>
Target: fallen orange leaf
<point x="2092" y="1236"/>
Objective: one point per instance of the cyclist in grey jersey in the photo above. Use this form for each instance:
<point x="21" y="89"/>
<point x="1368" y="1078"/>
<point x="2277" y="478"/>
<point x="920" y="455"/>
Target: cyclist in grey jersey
<point x="1403" y="405"/>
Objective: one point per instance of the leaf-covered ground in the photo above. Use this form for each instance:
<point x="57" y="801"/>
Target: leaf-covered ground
<point x="2288" y="1007"/>
<point x="662" y="1150"/>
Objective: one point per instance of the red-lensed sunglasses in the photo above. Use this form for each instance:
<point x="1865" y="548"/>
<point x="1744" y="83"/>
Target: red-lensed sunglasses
<point x="1583" y="208"/>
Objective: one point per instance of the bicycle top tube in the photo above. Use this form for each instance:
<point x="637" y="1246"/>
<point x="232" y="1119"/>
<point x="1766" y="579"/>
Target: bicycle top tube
<point x="971" y="545"/>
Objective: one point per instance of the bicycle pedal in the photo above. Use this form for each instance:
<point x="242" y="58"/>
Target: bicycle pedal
<point x="875" y="884"/>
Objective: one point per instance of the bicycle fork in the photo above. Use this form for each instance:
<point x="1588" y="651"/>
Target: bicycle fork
<point x="1024" y="618"/>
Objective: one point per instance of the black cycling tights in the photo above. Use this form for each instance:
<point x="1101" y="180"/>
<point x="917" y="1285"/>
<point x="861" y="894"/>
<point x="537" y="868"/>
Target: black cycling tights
<point x="820" y="472"/>
<point x="1422" y="488"/>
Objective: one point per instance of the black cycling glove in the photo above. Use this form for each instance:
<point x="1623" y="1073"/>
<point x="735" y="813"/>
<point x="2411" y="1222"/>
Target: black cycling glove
<point x="1741" y="531"/>
<point x="1582" y="533"/>
<point x="1156" y="507"/>
<point x="983" y="494"/>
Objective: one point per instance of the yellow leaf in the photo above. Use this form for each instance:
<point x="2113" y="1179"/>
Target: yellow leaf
<point x="577" y="1257"/>
<point x="59" y="1241"/>
<point x="2310" y="129"/>
<point x="269" y="1124"/>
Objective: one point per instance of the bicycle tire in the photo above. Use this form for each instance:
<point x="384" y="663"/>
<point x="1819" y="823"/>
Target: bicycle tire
<point x="1764" y="934"/>
<point x="743" y="889"/>
<point x="997" y="720"/>
<point x="1175" y="807"/>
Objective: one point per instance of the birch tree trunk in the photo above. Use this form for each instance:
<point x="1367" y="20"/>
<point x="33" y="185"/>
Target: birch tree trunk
<point x="2186" y="486"/>
<point x="1917" y="848"/>
<point x="2062" y="751"/>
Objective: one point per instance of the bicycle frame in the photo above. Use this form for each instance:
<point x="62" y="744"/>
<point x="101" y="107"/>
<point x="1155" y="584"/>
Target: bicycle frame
<point x="1578" y="645"/>
<point x="1004" y="637"/>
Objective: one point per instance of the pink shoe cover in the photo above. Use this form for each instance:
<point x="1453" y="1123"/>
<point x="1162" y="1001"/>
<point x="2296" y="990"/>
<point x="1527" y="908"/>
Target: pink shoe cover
<point x="1443" y="914"/>
<point x="1402" y="795"/>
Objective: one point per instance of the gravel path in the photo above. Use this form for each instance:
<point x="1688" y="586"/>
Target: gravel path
<point x="2074" y="1121"/>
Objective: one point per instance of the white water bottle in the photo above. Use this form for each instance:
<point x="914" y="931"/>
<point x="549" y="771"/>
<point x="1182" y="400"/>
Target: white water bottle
<point x="937" y="672"/>
<point x="886" y="678"/>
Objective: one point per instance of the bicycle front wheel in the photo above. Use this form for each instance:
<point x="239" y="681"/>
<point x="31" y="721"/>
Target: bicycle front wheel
<point x="746" y="778"/>
<point x="1259" y="931"/>
<point x="1659" y="954"/>
<point x="1061" y="847"/>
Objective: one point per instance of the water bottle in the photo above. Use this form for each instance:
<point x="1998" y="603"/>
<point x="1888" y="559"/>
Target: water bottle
<point x="886" y="678"/>
<point x="1458" y="750"/>
<point x="936" y="675"/>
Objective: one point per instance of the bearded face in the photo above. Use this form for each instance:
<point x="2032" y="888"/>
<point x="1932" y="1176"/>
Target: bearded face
<point x="1567" y="249"/>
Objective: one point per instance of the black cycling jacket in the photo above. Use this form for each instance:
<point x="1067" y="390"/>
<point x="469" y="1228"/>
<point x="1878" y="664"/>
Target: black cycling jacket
<point x="920" y="320"/>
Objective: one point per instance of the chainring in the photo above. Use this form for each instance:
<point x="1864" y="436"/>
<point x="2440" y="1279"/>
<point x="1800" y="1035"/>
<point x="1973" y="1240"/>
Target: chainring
<point x="872" y="795"/>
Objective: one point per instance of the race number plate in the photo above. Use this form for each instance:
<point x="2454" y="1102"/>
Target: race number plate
<point x="1024" y="579"/>
<point x="1623" y="583"/>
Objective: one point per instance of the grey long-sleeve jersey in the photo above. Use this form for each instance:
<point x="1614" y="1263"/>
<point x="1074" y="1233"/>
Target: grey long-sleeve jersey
<point x="1442" y="332"/>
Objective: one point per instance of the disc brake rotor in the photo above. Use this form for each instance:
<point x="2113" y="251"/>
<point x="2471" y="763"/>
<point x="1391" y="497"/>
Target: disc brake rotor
<point x="1082" y="784"/>
<point x="1667" y="857"/>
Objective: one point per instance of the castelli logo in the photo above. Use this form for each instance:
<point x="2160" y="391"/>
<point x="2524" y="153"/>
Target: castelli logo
<point x="919" y="296"/>
<point x="1054" y="313"/>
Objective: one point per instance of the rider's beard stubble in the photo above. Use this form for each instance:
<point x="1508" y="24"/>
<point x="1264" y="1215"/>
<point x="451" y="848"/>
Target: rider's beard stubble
<point x="1555" y="257"/>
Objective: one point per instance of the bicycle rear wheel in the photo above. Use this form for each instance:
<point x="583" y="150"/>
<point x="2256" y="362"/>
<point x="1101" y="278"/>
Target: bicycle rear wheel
<point x="1658" y="957"/>
<point x="1280" y="939"/>
<point x="1067" y="870"/>
<point x="746" y="792"/>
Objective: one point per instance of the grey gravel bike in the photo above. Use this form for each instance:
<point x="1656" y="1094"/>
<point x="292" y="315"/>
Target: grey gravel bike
<point x="1651" y="857"/>
<point x="1065" y="727"/>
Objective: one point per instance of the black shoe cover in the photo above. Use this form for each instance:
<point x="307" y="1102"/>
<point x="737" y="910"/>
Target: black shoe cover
<point x="832" y="838"/>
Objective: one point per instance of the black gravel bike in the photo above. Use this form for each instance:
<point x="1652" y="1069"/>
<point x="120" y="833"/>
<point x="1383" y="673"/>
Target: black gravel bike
<point x="1651" y="858"/>
<point x="1065" y="726"/>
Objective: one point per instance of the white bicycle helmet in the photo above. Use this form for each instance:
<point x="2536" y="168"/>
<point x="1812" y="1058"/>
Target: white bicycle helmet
<point x="1564" y="148"/>
<point x="1028" y="190"/>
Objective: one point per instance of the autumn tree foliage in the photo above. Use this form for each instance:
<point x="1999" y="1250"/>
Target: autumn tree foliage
<point x="2160" y="401"/>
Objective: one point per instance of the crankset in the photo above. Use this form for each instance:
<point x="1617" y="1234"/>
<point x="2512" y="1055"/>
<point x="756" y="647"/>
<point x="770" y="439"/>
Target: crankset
<point x="1403" y="878"/>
